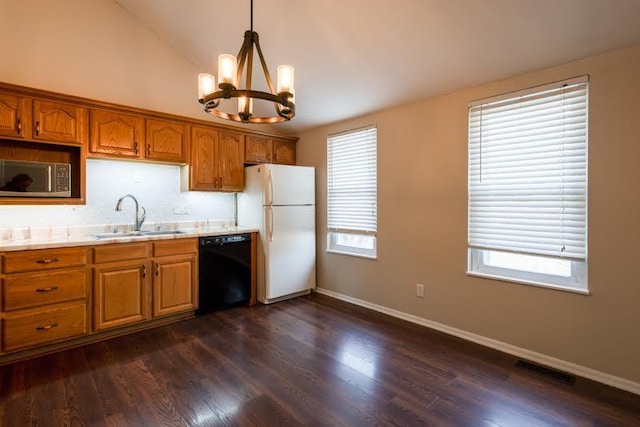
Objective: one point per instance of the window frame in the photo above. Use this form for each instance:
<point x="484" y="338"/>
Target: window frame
<point x="369" y="238"/>
<point x="478" y="256"/>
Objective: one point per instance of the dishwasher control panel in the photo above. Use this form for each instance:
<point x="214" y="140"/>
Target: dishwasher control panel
<point x="223" y="240"/>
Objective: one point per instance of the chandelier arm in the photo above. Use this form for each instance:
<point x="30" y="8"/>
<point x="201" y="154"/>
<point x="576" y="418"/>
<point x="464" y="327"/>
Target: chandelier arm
<point x="264" y="66"/>
<point x="250" y="63"/>
<point x="242" y="55"/>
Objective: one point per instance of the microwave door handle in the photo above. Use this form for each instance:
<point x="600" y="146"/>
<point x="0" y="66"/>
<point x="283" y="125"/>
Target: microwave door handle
<point x="50" y="178"/>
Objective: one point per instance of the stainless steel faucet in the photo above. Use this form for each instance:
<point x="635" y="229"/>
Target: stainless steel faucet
<point x="137" y="223"/>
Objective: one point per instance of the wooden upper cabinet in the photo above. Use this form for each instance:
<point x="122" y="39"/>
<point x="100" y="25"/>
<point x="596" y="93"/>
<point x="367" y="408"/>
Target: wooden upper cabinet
<point x="59" y="122"/>
<point x="284" y="152"/>
<point x="203" y="172"/>
<point x="260" y="149"/>
<point x="257" y="149"/>
<point x="15" y="116"/>
<point x="217" y="159"/>
<point x="167" y="141"/>
<point x="116" y="134"/>
<point x="230" y="156"/>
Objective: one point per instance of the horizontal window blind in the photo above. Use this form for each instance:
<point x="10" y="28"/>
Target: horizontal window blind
<point x="352" y="181"/>
<point x="528" y="172"/>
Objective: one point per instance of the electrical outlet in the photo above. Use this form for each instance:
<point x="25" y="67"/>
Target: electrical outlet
<point x="180" y="208"/>
<point x="420" y="290"/>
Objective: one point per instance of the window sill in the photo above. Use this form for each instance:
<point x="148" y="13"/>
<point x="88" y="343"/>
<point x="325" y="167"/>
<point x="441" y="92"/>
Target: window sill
<point x="333" y="251"/>
<point x="530" y="283"/>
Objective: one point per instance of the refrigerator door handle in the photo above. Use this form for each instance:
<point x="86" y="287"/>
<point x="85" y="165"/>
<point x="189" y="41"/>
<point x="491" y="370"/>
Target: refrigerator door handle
<point x="270" y="224"/>
<point x="270" y="200"/>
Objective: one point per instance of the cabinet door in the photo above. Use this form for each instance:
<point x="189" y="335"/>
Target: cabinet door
<point x="120" y="295"/>
<point x="167" y="141"/>
<point x="203" y="172"/>
<point x="116" y="134"/>
<point x="257" y="149"/>
<point x="284" y="152"/>
<point x="174" y="286"/>
<point x="59" y="122"/>
<point x="14" y="116"/>
<point x="230" y="161"/>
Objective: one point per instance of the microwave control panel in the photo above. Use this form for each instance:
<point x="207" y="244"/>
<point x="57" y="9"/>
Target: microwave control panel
<point x="62" y="180"/>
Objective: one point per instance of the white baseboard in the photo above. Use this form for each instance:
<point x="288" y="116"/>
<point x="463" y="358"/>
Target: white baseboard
<point x="533" y="356"/>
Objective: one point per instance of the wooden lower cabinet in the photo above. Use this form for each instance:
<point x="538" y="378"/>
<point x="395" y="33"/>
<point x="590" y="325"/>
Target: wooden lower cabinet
<point x="44" y="297"/>
<point x="56" y="298"/>
<point x="175" y="276"/>
<point x="28" y="290"/>
<point x="120" y="289"/>
<point x="29" y="328"/>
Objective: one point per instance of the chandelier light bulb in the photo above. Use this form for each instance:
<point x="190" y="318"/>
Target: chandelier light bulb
<point x="227" y="70"/>
<point x="206" y="85"/>
<point x="242" y="102"/>
<point x="285" y="79"/>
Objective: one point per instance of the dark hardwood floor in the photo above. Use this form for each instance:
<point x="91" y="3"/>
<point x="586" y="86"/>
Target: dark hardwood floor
<point x="309" y="361"/>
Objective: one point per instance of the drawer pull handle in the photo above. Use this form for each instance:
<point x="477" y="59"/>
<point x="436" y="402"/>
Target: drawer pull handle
<point x="47" y="260"/>
<point x="18" y="127"/>
<point x="46" y="328"/>
<point x="37" y="128"/>
<point x="50" y="289"/>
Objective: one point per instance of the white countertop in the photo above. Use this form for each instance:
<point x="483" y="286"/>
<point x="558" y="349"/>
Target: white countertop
<point x="56" y="240"/>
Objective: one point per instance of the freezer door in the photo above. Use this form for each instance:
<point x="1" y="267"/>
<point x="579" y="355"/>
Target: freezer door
<point x="290" y="250"/>
<point x="289" y="185"/>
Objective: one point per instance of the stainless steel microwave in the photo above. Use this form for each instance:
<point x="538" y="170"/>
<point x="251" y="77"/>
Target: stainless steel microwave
<point x="34" y="179"/>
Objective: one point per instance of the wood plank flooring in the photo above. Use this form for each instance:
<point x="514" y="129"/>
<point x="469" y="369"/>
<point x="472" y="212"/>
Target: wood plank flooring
<point x="312" y="361"/>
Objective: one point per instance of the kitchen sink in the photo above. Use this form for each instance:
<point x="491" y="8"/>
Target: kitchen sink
<point x="130" y="234"/>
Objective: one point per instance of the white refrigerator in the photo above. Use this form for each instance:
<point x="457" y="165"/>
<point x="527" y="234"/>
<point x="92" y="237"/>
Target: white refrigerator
<point x="280" y="201"/>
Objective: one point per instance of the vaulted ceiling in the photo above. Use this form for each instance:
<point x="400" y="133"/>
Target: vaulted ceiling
<point x="353" y="57"/>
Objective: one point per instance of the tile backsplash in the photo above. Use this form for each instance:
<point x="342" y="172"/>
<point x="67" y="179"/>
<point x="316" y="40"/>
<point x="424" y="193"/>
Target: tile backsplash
<point x="156" y="186"/>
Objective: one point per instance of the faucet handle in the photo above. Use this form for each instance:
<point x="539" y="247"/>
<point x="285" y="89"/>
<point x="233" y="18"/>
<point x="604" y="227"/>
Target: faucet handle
<point x="142" y="217"/>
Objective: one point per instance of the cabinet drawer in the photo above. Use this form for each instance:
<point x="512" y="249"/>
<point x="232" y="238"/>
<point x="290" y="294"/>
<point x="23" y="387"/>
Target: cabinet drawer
<point x="28" y="328"/>
<point x="120" y="252"/>
<point x="45" y="259"/>
<point x="175" y="247"/>
<point x="31" y="290"/>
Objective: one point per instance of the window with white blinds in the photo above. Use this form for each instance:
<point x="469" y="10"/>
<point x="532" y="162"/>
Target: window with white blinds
<point x="352" y="192"/>
<point x="528" y="185"/>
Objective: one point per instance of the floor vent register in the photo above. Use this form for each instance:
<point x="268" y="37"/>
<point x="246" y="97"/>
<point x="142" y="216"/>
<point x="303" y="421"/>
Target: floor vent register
<point x="547" y="372"/>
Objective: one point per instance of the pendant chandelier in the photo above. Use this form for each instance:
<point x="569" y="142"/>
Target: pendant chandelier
<point x="230" y="72"/>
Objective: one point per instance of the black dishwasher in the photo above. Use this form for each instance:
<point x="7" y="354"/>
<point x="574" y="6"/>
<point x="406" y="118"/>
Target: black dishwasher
<point x="224" y="267"/>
